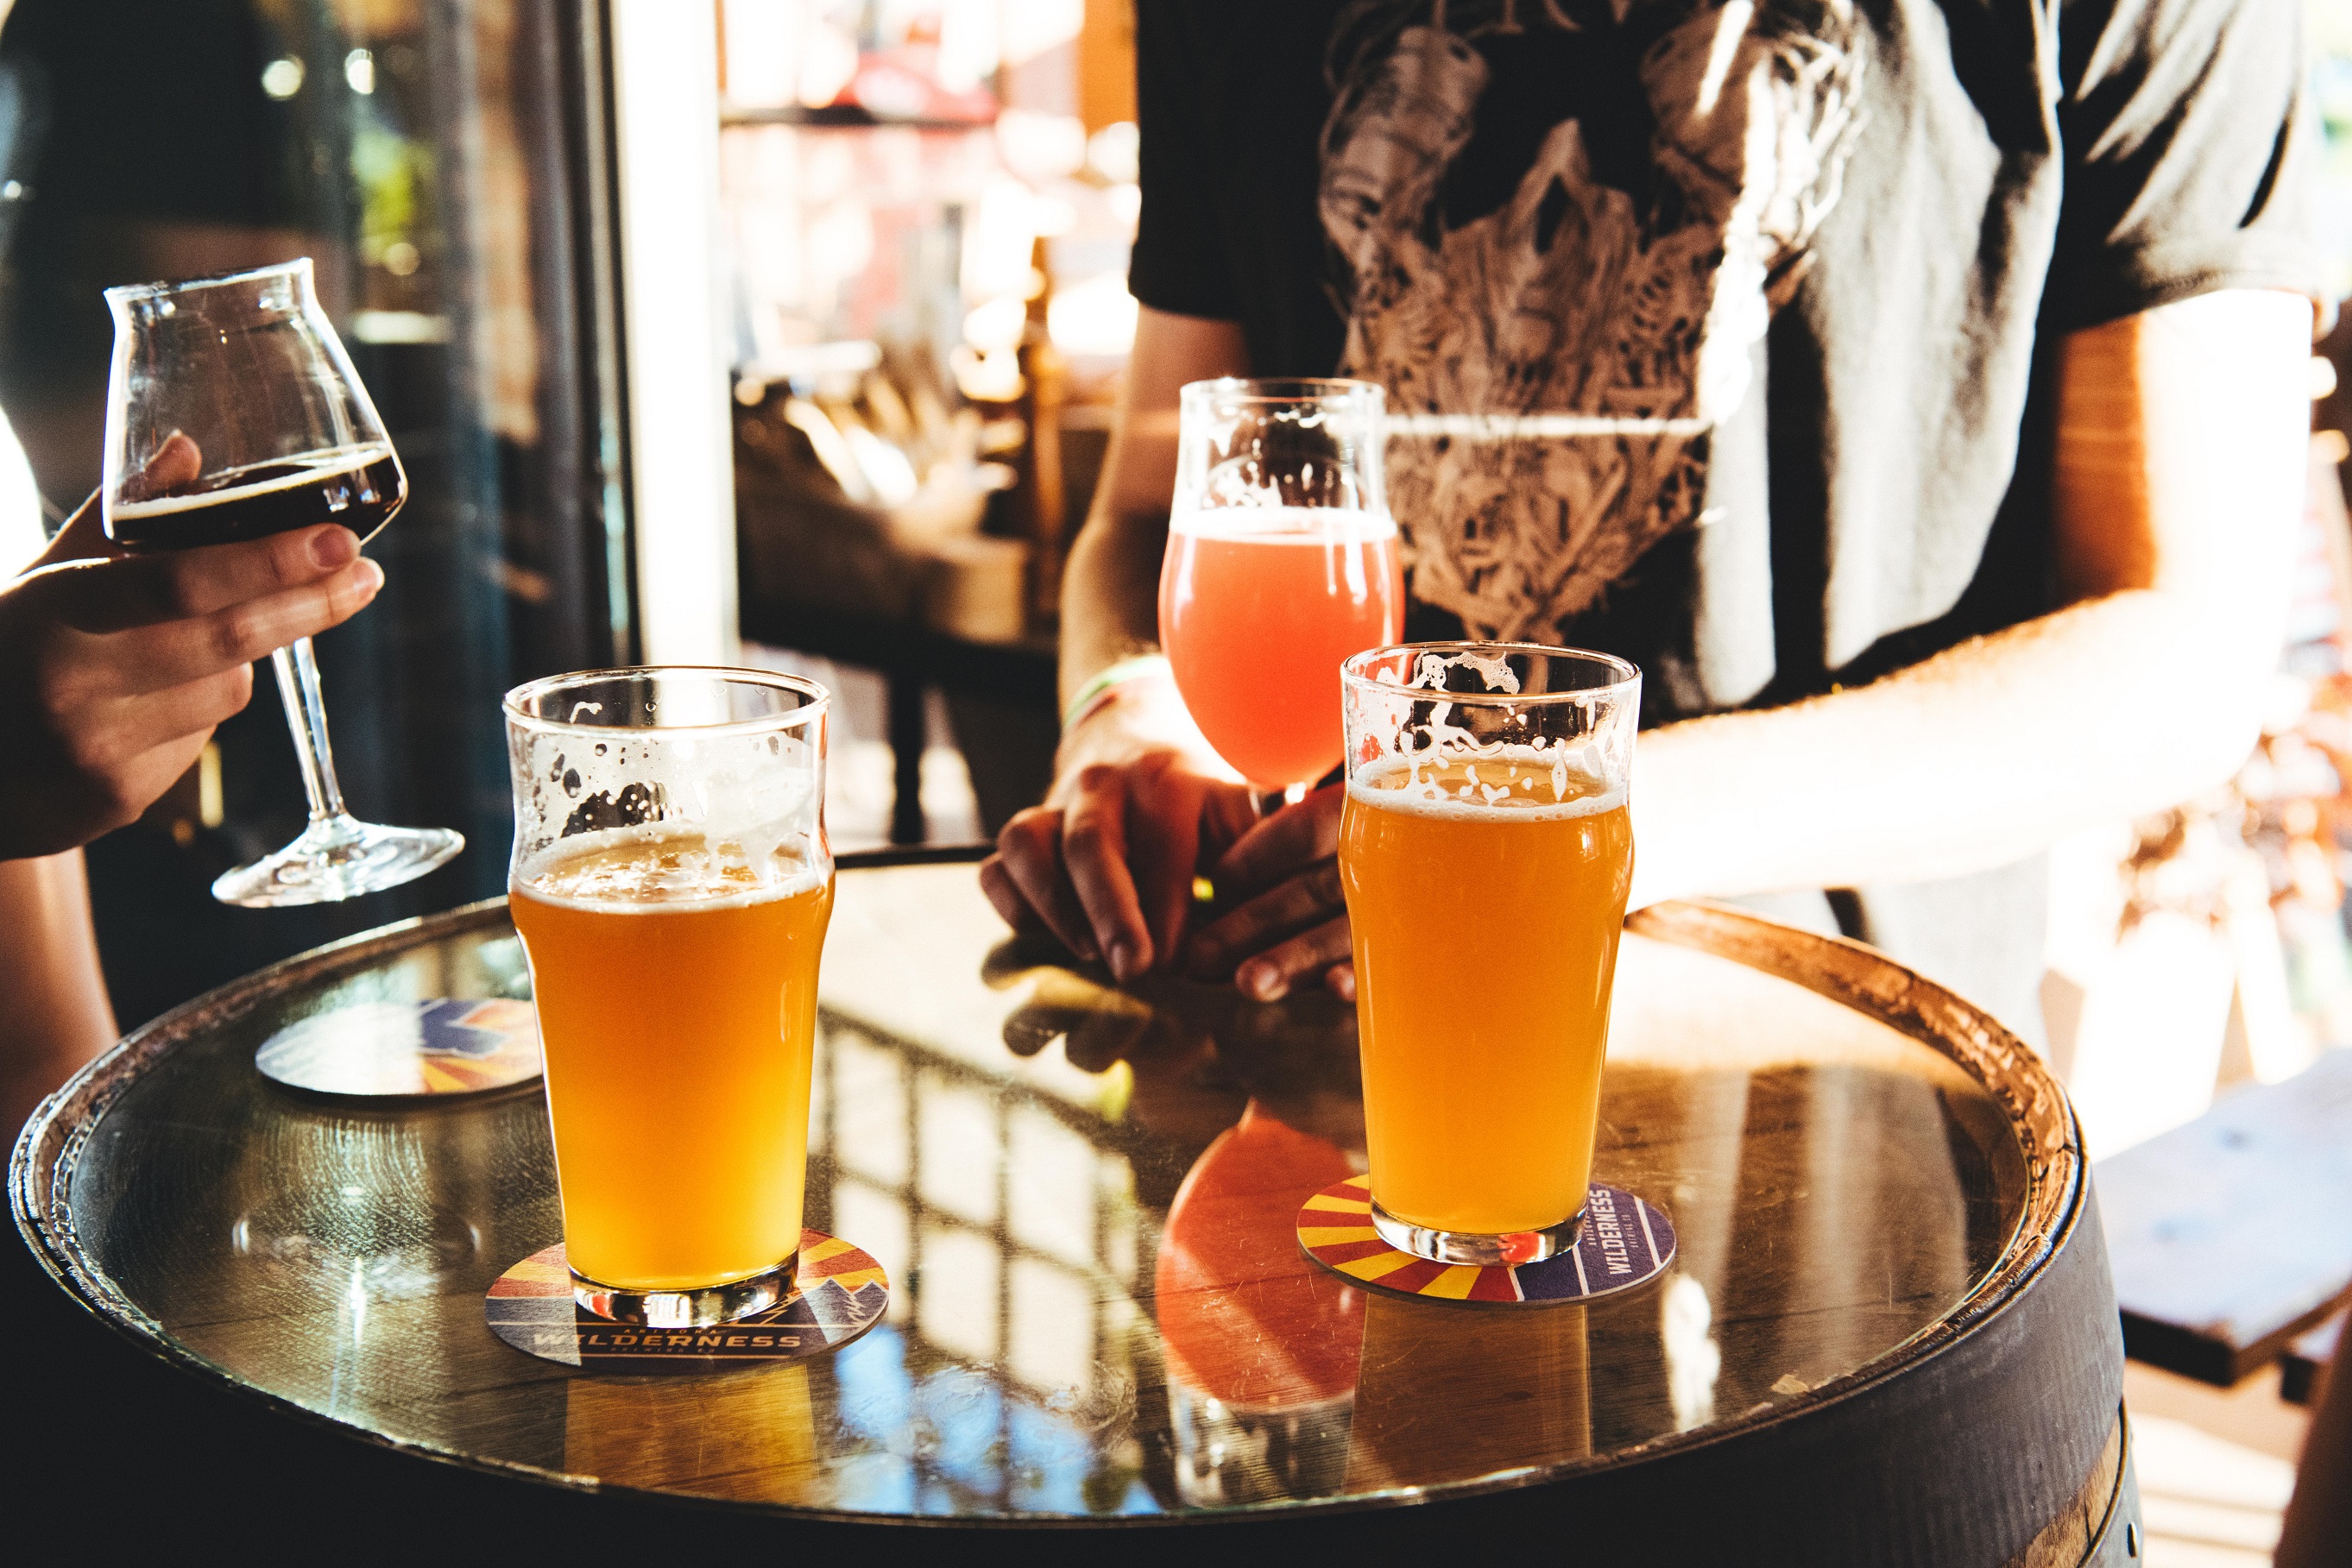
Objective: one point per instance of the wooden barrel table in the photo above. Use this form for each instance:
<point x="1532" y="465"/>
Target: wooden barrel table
<point x="1888" y="1337"/>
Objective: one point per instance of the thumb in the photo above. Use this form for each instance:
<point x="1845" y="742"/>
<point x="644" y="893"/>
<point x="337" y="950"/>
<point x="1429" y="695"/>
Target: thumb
<point x="176" y="464"/>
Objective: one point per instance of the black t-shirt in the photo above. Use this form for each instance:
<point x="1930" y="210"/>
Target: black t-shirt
<point x="1716" y="335"/>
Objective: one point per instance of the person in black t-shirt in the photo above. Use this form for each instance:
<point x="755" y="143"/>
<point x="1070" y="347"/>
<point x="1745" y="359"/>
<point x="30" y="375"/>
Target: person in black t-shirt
<point x="1937" y="375"/>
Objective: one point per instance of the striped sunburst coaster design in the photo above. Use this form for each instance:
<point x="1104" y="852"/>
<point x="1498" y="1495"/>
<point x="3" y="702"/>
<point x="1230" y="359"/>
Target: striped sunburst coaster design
<point x="838" y="1292"/>
<point x="407" y="1049"/>
<point x="1626" y="1243"/>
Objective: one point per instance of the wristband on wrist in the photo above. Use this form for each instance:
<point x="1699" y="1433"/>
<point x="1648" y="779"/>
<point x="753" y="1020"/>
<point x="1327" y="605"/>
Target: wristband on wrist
<point x="1102" y="688"/>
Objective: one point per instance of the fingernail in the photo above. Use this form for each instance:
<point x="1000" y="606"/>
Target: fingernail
<point x="372" y="576"/>
<point x="1122" y="959"/>
<point x="331" y="548"/>
<point x="1260" y="981"/>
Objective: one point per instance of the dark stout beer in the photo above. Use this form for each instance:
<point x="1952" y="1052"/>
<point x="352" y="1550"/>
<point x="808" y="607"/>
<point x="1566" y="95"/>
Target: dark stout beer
<point x="358" y="487"/>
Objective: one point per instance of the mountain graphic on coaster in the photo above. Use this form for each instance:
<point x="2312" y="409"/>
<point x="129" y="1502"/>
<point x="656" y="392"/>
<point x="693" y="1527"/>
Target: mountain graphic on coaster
<point x="1626" y="1242"/>
<point x="407" y="1049"/>
<point x="838" y="1292"/>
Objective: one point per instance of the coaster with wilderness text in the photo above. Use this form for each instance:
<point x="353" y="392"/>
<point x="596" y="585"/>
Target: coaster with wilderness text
<point x="1625" y="1243"/>
<point x="838" y="1292"/>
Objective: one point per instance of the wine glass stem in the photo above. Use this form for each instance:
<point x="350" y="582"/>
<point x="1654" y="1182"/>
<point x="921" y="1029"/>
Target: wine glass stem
<point x="306" y="716"/>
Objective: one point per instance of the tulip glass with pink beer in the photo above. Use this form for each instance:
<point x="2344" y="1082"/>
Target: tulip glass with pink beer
<point x="1282" y="561"/>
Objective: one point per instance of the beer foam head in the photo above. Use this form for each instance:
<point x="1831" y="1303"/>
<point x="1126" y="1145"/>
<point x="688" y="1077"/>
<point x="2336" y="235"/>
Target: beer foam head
<point x="1514" y="783"/>
<point x="634" y="869"/>
<point x="747" y="807"/>
<point x="707" y="799"/>
<point x="1490" y="726"/>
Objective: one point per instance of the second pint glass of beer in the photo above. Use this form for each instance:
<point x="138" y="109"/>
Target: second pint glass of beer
<point x="672" y="884"/>
<point x="1485" y="851"/>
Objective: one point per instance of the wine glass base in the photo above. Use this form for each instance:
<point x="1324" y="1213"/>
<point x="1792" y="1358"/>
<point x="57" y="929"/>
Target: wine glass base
<point x="336" y="859"/>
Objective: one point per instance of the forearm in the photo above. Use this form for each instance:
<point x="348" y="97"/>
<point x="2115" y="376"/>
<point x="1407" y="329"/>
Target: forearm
<point x="2178" y="481"/>
<point x="1110" y="588"/>
<point x="1974" y="758"/>
<point x="1110" y="612"/>
<point x="54" y="1014"/>
<point x="1110" y="593"/>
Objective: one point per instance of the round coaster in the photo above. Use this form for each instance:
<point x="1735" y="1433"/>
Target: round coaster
<point x="1626" y="1243"/>
<point x="838" y="1292"/>
<point x="407" y="1049"/>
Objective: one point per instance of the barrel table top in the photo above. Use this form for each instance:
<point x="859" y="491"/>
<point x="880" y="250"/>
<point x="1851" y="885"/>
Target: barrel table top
<point x="1100" y="1312"/>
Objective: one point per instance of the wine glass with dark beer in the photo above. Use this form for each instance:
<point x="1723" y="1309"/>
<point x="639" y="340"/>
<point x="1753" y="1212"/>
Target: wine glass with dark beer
<point x="242" y="378"/>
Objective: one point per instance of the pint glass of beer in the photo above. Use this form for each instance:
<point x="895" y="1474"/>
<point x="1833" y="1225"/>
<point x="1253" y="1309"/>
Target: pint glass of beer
<point x="1485" y="852"/>
<point x="671" y="883"/>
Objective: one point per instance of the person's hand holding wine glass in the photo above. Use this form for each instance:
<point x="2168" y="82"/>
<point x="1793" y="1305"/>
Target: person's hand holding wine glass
<point x="233" y="414"/>
<point x="1281" y="560"/>
<point x="114" y="669"/>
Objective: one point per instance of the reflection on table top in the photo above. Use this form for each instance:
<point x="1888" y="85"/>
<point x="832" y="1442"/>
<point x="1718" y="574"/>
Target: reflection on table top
<point x="1083" y="1197"/>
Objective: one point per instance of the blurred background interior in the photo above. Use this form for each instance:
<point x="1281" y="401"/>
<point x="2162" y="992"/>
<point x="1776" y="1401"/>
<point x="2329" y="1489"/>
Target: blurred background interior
<point x="868" y="257"/>
<point x="914" y="319"/>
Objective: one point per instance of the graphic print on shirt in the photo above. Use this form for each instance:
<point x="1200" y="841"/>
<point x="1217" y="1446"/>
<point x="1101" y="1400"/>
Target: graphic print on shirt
<point x="1554" y="362"/>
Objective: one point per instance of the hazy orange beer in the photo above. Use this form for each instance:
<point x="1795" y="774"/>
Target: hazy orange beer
<point x="1485" y="852"/>
<point x="672" y="886"/>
